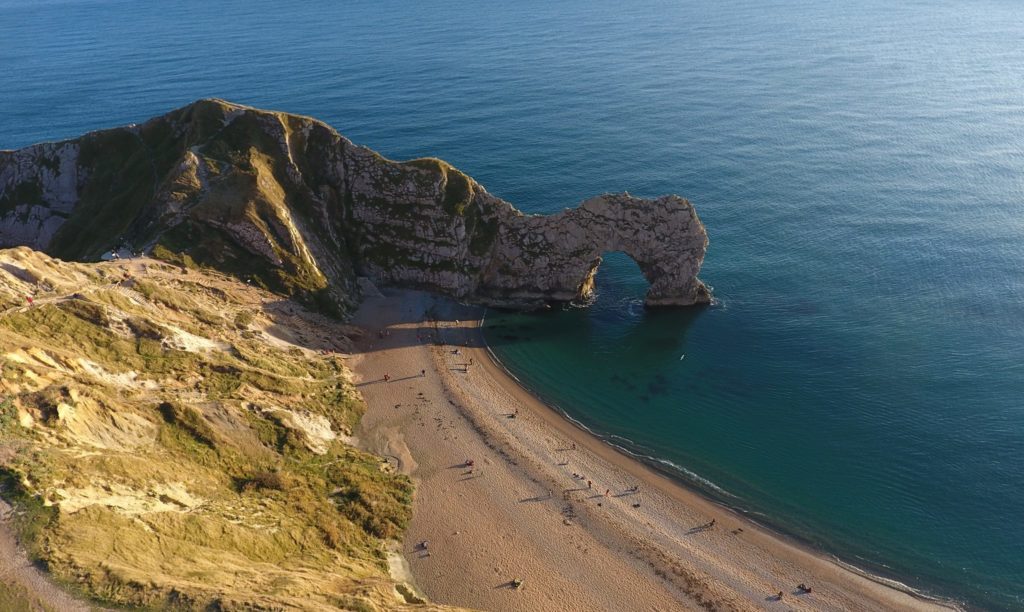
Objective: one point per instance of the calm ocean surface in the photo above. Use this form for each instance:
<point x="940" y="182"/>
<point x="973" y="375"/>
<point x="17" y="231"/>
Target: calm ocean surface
<point x="859" y="167"/>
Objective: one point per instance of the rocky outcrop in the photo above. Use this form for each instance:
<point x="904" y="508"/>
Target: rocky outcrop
<point x="287" y="202"/>
<point x="664" y="236"/>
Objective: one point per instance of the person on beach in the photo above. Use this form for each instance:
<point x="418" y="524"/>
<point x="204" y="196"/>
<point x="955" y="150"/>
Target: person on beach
<point x="607" y="492"/>
<point x="590" y="485"/>
<point x="387" y="378"/>
<point x="423" y="373"/>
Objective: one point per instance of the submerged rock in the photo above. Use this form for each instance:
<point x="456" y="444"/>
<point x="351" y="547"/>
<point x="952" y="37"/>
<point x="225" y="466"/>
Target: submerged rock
<point x="287" y="202"/>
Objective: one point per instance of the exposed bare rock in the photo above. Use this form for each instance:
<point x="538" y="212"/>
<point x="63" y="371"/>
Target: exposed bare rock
<point x="287" y="202"/>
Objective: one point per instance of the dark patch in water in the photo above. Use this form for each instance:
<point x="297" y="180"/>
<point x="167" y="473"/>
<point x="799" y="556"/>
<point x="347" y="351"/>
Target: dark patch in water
<point x="655" y="388"/>
<point x="663" y="343"/>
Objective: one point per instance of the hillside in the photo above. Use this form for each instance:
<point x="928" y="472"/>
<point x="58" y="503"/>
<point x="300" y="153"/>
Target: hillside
<point x="176" y="438"/>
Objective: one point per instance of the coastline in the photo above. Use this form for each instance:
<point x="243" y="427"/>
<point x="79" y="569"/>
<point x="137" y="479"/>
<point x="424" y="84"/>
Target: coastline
<point x="714" y="494"/>
<point x="634" y="547"/>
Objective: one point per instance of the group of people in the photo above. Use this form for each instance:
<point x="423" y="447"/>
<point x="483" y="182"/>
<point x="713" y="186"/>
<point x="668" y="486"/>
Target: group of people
<point x="608" y="492"/>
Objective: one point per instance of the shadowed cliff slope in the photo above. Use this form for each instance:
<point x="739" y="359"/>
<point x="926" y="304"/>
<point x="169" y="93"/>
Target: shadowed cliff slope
<point x="287" y="202"/>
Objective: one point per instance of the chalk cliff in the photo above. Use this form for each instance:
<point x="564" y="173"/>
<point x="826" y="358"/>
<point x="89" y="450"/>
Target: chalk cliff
<point x="290" y="204"/>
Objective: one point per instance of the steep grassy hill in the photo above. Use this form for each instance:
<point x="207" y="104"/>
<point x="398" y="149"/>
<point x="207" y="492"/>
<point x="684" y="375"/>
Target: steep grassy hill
<point x="177" y="439"/>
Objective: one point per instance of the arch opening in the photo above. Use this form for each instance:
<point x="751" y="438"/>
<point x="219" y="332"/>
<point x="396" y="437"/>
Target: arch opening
<point x="614" y="279"/>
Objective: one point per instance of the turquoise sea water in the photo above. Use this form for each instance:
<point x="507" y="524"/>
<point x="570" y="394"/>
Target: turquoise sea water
<point x="859" y="166"/>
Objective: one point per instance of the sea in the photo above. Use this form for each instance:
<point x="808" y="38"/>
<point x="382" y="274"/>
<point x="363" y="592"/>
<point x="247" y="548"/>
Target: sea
<point x="858" y="383"/>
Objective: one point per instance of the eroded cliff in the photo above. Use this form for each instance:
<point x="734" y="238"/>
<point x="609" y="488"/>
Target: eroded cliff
<point x="179" y="440"/>
<point x="287" y="202"/>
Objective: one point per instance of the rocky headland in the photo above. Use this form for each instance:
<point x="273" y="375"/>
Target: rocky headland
<point x="287" y="202"/>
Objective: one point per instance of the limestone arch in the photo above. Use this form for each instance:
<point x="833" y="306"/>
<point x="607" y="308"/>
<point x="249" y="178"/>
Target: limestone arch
<point x="586" y="291"/>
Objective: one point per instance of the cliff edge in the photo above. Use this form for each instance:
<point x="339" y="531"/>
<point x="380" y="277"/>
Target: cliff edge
<point x="286" y="202"/>
<point x="176" y="439"/>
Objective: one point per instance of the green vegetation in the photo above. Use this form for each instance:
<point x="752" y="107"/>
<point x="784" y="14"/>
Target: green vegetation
<point x="483" y="231"/>
<point x="201" y="247"/>
<point x="123" y="180"/>
<point x="15" y="598"/>
<point x="458" y="188"/>
<point x="169" y="474"/>
<point x="190" y="421"/>
<point x="265" y="203"/>
<point x="34" y="517"/>
<point x="28" y="192"/>
<point x="8" y="415"/>
<point x="244" y="319"/>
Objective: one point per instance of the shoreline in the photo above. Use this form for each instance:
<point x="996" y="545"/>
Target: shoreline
<point x="683" y="478"/>
<point x="656" y="537"/>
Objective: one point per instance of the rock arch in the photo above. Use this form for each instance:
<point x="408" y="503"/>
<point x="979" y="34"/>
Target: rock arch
<point x="309" y="211"/>
<point x="555" y="258"/>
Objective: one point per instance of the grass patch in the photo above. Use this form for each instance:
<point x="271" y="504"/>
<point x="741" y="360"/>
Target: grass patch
<point x="27" y="192"/>
<point x="32" y="516"/>
<point x="190" y="421"/>
<point x="244" y="319"/>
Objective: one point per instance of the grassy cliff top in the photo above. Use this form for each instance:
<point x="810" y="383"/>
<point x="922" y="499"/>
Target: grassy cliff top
<point x="173" y="438"/>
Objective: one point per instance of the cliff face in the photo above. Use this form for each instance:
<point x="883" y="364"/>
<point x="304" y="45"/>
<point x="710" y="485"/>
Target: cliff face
<point x="289" y="203"/>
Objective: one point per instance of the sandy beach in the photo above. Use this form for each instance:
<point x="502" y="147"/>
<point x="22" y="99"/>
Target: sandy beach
<point x="583" y="526"/>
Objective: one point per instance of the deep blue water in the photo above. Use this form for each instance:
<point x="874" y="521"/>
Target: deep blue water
<point x="859" y="167"/>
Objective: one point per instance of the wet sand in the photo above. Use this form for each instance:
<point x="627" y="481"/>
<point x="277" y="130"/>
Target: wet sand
<point x="519" y="513"/>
